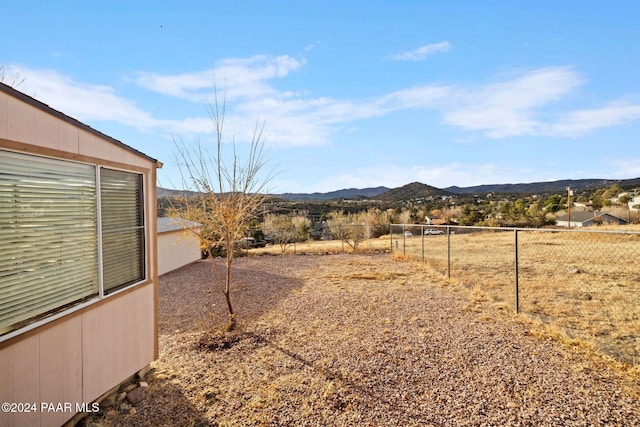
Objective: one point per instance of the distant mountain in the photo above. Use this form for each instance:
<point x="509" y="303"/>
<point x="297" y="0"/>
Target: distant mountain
<point x="349" y="193"/>
<point x="415" y="190"/>
<point x="168" y="192"/>
<point x="545" y="187"/>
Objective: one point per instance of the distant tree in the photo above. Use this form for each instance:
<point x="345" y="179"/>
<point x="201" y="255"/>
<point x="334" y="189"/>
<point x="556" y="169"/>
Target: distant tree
<point x="553" y="203"/>
<point x="349" y="228"/>
<point x="597" y="201"/>
<point x="471" y="215"/>
<point x="281" y="229"/>
<point x="612" y="192"/>
<point x="404" y="217"/>
<point x="624" y="200"/>
<point x="536" y="216"/>
<point x="302" y="224"/>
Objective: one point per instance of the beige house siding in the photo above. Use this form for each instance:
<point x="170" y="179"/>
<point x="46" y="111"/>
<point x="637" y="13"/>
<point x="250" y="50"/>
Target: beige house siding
<point x="176" y="249"/>
<point x="81" y="353"/>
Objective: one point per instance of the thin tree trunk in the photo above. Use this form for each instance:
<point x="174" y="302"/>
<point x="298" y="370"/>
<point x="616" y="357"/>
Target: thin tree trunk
<point x="227" y="294"/>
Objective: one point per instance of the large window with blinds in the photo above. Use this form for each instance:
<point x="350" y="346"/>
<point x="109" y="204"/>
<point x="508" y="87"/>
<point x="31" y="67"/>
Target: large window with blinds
<point x="69" y="232"/>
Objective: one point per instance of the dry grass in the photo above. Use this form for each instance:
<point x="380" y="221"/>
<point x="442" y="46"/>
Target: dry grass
<point x="326" y="247"/>
<point x="363" y="340"/>
<point x="584" y="284"/>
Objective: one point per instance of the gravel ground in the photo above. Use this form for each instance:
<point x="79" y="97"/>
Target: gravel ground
<point x="363" y="340"/>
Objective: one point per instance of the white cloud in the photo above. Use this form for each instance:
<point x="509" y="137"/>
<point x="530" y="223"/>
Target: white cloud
<point x="512" y="107"/>
<point x="625" y="168"/>
<point x="82" y="101"/>
<point x="236" y="77"/>
<point x="100" y="103"/>
<point x="421" y="53"/>
<point x="509" y="108"/>
<point x="577" y="123"/>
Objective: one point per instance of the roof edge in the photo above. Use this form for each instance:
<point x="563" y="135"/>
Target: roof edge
<point x="75" y="122"/>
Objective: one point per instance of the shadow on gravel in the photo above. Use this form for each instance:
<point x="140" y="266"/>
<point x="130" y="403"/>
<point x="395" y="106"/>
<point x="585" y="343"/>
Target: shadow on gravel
<point x="190" y="298"/>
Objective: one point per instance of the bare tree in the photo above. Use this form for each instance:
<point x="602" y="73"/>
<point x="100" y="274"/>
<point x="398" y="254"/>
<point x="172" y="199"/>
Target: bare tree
<point x="348" y="228"/>
<point x="281" y="229"/>
<point x="287" y="229"/>
<point x="228" y="194"/>
<point x="14" y="80"/>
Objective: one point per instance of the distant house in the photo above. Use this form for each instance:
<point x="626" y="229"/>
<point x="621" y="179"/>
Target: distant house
<point x="321" y="231"/>
<point x="78" y="263"/>
<point x="176" y="246"/>
<point x="586" y="219"/>
<point x="634" y="202"/>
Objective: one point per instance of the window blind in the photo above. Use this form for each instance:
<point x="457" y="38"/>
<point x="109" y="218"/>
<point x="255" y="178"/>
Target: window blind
<point x="48" y="236"/>
<point x="122" y="228"/>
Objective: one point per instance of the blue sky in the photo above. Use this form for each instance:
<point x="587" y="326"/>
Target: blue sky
<point x="352" y="94"/>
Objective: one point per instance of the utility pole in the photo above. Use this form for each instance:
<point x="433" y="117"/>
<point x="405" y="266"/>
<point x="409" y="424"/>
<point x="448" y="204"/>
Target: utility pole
<point x="569" y="194"/>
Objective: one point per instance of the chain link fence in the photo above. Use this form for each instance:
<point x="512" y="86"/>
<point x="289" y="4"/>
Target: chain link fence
<point x="585" y="283"/>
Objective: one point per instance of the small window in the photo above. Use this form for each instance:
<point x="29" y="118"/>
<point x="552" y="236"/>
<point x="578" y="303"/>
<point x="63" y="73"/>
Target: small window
<point x="123" y="233"/>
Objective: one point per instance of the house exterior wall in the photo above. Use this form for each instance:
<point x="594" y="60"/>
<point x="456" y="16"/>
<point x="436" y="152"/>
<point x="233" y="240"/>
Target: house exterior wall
<point x="81" y="353"/>
<point x="573" y="224"/>
<point x="176" y="249"/>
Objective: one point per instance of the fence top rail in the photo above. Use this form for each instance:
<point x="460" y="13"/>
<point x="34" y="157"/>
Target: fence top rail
<point x="543" y="230"/>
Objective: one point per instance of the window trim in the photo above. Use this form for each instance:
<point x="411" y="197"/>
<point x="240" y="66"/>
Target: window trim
<point x="83" y="304"/>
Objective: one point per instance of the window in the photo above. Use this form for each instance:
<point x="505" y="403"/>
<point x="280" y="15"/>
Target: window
<point x="122" y="228"/>
<point x="57" y="248"/>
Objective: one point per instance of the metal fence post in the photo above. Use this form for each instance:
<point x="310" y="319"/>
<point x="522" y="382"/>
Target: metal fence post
<point x="404" y="242"/>
<point x="422" y="237"/>
<point x="516" y="267"/>
<point x="448" y="252"/>
<point x="391" y="238"/>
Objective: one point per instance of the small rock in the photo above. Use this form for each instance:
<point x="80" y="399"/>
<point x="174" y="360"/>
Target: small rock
<point x="133" y="411"/>
<point x="130" y="387"/>
<point x="109" y="400"/>
<point x="121" y="397"/>
<point x="142" y="373"/>
<point x="111" y="414"/>
<point x="136" y="396"/>
<point x="144" y="384"/>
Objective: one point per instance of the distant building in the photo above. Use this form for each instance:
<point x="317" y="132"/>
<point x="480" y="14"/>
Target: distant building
<point x="177" y="246"/>
<point x="586" y="219"/>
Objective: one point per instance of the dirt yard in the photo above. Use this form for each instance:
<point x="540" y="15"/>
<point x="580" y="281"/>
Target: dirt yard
<point x="362" y="340"/>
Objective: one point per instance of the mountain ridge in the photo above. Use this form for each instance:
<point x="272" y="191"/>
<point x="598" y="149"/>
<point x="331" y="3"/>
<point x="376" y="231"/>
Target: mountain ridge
<point x="544" y="186"/>
<point x="420" y="190"/>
